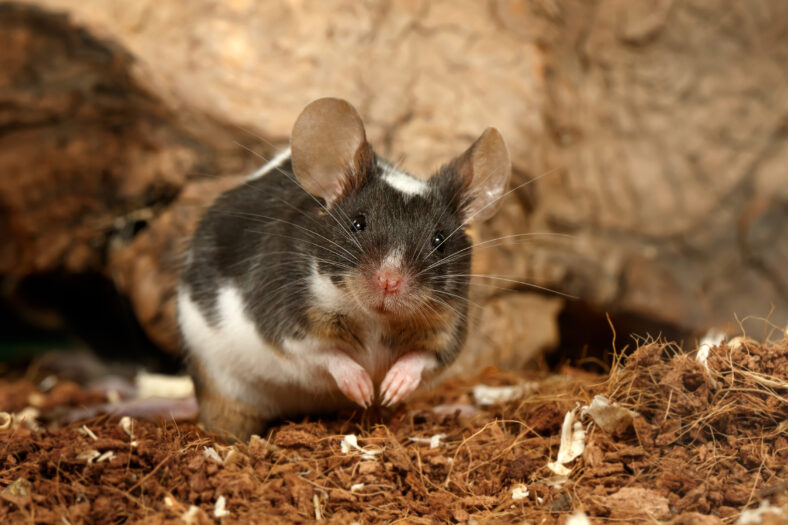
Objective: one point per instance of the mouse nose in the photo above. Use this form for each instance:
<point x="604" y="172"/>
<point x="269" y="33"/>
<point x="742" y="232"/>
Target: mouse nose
<point x="389" y="280"/>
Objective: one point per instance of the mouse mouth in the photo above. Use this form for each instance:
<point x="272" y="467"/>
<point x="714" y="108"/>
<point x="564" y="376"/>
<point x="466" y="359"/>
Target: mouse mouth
<point x="379" y="302"/>
<point x="386" y="306"/>
<point x="383" y="304"/>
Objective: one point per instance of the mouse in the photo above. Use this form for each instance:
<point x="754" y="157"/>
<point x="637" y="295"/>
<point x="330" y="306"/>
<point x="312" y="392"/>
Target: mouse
<point x="330" y="277"/>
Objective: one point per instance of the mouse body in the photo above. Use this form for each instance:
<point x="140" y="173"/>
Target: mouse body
<point x="331" y="277"/>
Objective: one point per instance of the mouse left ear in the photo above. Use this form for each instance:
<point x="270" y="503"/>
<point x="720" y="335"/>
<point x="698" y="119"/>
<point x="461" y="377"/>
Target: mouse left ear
<point x="329" y="147"/>
<point x="484" y="171"/>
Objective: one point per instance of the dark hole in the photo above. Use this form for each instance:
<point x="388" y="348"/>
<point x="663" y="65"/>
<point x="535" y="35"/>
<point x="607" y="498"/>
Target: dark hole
<point x="138" y="226"/>
<point x="587" y="338"/>
<point x="59" y="311"/>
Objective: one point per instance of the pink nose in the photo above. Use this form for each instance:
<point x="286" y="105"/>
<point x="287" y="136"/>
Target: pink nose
<point x="389" y="280"/>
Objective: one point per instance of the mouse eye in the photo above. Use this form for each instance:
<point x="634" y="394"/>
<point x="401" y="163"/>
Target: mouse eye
<point x="359" y="223"/>
<point x="437" y="241"/>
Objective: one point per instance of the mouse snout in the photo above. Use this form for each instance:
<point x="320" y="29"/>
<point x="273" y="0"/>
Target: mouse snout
<point x="389" y="279"/>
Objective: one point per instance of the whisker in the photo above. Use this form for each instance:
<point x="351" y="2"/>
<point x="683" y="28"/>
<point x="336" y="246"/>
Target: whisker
<point x="462" y="315"/>
<point x="295" y="181"/>
<point x="506" y="279"/>
<point x="465" y="223"/>
<point x="277" y="219"/>
<point x="491" y="243"/>
<point x="460" y="297"/>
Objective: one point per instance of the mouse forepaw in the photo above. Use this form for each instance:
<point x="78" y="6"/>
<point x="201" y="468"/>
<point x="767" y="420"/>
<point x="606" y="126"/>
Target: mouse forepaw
<point x="404" y="377"/>
<point x="352" y="380"/>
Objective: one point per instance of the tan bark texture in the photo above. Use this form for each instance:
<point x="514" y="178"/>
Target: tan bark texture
<point x="655" y="133"/>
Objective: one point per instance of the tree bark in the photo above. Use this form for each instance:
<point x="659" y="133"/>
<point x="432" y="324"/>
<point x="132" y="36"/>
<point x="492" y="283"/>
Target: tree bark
<point x="654" y="134"/>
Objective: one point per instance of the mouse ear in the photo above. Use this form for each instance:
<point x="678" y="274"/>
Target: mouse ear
<point x="484" y="171"/>
<point x="330" y="153"/>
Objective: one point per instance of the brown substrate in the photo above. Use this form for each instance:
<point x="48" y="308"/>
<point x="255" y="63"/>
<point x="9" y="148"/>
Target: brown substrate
<point x="705" y="445"/>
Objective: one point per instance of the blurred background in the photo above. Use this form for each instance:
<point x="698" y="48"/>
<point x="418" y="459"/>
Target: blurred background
<point x="654" y="134"/>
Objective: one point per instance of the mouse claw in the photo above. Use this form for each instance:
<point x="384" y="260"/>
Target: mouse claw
<point x="352" y="380"/>
<point x="401" y="386"/>
<point x="402" y="378"/>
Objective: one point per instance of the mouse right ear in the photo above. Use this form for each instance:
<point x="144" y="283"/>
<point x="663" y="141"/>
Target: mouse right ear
<point x="330" y="153"/>
<point x="482" y="174"/>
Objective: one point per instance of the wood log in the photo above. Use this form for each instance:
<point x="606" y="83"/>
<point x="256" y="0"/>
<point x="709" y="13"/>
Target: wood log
<point x="654" y="137"/>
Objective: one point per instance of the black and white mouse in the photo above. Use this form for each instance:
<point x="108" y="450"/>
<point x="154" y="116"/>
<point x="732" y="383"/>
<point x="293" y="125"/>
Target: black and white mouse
<point x="331" y="276"/>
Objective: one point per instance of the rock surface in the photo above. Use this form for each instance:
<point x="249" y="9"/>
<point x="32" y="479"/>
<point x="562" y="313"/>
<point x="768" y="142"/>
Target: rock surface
<point x="658" y="135"/>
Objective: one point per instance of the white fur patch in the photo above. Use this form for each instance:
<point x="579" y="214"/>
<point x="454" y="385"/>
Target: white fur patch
<point x="269" y="166"/>
<point x="240" y="363"/>
<point x="393" y="259"/>
<point x="233" y="353"/>
<point x="194" y="326"/>
<point x="227" y="350"/>
<point x="404" y="182"/>
<point x="328" y="295"/>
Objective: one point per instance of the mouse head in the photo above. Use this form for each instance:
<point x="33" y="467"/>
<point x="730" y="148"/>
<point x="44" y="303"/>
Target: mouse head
<point x="395" y="245"/>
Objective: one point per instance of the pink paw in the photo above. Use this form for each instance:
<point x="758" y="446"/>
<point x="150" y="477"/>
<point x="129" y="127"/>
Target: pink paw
<point x="352" y="380"/>
<point x="404" y="377"/>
